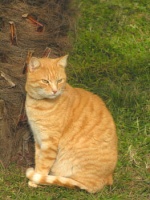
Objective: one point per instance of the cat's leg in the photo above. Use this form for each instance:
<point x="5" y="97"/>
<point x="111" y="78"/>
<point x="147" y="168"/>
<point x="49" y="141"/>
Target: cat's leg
<point x="37" y="153"/>
<point x="44" y="158"/>
<point x="53" y="180"/>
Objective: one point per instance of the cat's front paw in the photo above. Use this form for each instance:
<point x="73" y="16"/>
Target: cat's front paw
<point x="32" y="184"/>
<point x="33" y="177"/>
<point x="30" y="172"/>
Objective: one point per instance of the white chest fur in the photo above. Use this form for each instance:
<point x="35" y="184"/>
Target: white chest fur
<point x="36" y="132"/>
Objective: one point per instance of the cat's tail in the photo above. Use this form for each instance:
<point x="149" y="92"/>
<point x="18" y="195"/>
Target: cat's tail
<point x="39" y="179"/>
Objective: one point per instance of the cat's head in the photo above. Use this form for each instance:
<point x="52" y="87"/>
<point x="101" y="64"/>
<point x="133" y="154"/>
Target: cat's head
<point x="46" y="77"/>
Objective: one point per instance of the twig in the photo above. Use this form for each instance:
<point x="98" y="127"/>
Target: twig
<point x="34" y="21"/>
<point x="47" y="52"/>
<point x="13" y="35"/>
<point x="8" y="79"/>
<point x="29" y="55"/>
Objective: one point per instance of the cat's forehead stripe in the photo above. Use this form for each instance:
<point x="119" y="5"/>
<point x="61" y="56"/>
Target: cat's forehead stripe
<point x="52" y="73"/>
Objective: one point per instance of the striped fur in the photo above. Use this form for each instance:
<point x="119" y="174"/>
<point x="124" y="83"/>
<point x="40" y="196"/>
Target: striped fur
<point x="75" y="135"/>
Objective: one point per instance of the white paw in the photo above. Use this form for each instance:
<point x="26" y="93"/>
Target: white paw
<point x="32" y="184"/>
<point x="36" y="178"/>
<point x="29" y="172"/>
<point x="33" y="176"/>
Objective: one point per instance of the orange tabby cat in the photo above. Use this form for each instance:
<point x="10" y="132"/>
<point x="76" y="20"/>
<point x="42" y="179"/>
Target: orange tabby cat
<point x="74" y="133"/>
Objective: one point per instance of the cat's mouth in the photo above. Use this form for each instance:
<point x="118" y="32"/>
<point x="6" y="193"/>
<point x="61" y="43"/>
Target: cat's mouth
<point x="53" y="96"/>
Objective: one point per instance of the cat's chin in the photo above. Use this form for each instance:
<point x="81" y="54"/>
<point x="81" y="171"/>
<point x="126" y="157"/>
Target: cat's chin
<point x="53" y="96"/>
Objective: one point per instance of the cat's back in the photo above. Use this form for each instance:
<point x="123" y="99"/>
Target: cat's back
<point x="90" y="104"/>
<point x="88" y="117"/>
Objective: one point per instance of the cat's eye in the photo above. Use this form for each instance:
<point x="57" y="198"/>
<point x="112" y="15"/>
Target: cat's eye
<point x="59" y="80"/>
<point x="45" y="81"/>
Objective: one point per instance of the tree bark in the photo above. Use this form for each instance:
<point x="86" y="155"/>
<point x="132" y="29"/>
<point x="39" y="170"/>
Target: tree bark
<point x="5" y="136"/>
<point x="19" y="36"/>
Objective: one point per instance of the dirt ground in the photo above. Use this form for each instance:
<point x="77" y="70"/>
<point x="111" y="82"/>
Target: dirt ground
<point x="26" y="28"/>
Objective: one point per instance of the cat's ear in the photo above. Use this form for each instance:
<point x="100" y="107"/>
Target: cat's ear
<point x="63" y="61"/>
<point x="34" y="63"/>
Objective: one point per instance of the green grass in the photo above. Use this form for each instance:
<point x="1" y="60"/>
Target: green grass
<point x="110" y="57"/>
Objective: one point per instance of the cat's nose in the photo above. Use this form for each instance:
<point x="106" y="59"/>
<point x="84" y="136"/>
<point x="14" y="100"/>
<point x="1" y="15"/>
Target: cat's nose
<point x="54" y="91"/>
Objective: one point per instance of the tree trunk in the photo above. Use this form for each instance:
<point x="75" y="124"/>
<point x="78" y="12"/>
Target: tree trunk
<point x="26" y="29"/>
